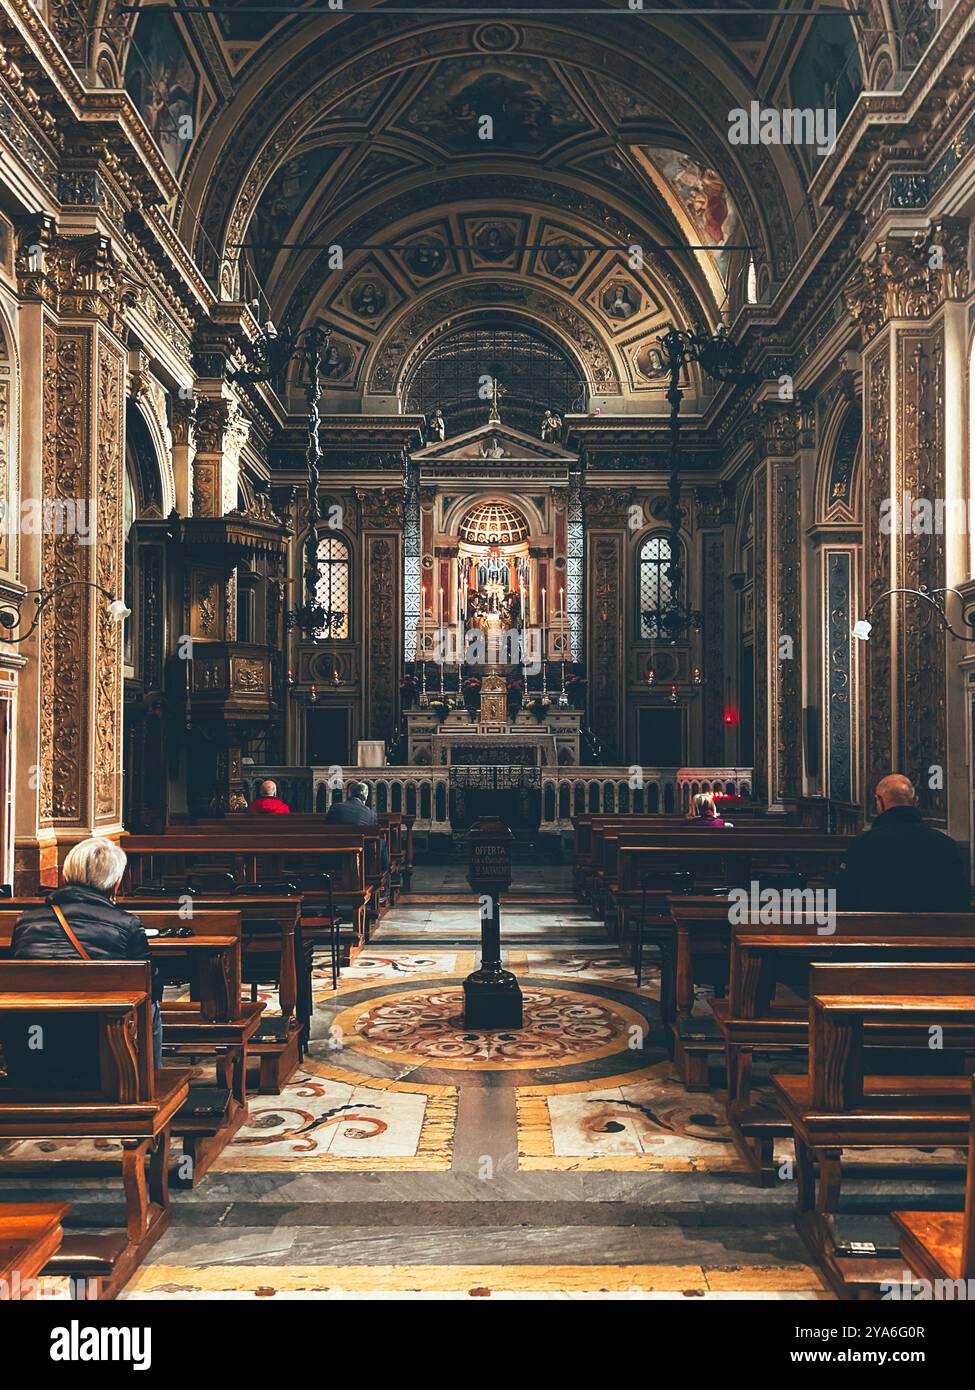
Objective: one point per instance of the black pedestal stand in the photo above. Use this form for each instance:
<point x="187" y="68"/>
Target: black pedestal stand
<point x="492" y="997"/>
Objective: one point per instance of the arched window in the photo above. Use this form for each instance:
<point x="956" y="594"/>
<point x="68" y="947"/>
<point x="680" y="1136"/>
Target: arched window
<point x="656" y="590"/>
<point x="334" y="591"/>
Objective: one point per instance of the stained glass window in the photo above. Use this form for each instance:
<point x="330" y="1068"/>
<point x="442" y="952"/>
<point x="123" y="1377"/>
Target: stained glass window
<point x="334" y="587"/>
<point x="656" y="589"/>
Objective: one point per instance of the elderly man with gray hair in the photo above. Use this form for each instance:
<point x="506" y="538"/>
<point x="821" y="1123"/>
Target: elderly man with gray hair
<point x="81" y="920"/>
<point x="900" y="864"/>
<point x="354" y="811"/>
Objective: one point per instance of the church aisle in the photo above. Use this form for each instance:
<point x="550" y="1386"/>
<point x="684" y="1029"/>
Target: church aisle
<point x="407" y="1158"/>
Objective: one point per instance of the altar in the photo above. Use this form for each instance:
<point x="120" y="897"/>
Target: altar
<point x="457" y="740"/>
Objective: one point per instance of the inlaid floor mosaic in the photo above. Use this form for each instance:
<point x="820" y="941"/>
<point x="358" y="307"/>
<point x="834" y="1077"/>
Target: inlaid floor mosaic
<point x="559" y="1026"/>
<point x="325" y="1118"/>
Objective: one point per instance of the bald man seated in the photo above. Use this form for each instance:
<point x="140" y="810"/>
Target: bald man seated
<point x="900" y="864"/>
<point x="268" y="803"/>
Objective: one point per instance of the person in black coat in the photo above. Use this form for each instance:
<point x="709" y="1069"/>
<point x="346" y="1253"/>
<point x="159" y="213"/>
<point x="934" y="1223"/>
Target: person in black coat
<point x="354" y="811"/>
<point x="900" y="864"/>
<point x="91" y="874"/>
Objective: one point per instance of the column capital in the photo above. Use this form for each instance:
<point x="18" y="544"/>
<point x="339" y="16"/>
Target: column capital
<point x="76" y="276"/>
<point x="910" y="279"/>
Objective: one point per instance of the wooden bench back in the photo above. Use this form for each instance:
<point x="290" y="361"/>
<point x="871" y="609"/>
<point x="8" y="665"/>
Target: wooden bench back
<point x="249" y="859"/>
<point x="760" y="954"/>
<point x="727" y="857"/>
<point x="932" y="995"/>
<point x="114" y="1054"/>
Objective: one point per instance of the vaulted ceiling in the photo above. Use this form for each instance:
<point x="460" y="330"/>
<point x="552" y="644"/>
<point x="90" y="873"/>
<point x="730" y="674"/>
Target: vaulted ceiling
<point x="367" y="132"/>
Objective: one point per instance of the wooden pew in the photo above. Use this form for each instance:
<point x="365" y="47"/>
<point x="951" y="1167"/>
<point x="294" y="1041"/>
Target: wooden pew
<point x="30" y="1234"/>
<point x="839" y="1104"/>
<point x="590" y="834"/>
<point x="725" y="859"/>
<point x="940" y="1245"/>
<point x="373" y="839"/>
<point x="116" y="1092"/>
<point x="755" y="1019"/>
<point x="253" y="860"/>
<point x="213" y="1021"/>
<point x="273" y="952"/>
<point x="700" y="956"/>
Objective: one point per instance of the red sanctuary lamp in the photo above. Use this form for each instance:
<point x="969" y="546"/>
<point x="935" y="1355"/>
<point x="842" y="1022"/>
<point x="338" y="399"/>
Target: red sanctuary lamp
<point x="730" y="717"/>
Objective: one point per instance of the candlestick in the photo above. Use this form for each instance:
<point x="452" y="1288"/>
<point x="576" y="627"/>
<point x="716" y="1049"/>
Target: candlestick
<point x="544" y="650"/>
<point x="424" y="698"/>
<point x="440" y="645"/>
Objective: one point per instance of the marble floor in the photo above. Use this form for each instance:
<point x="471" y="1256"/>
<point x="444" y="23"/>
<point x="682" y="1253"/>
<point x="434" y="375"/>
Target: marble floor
<point x="411" y="1157"/>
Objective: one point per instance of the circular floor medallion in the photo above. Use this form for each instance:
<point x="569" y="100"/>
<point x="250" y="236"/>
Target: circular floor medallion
<point x="560" y="1027"/>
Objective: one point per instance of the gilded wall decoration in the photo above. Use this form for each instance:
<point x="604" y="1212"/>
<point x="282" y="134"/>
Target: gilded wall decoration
<point x="382" y="678"/>
<point x="107" y="657"/>
<point x="878" y="690"/>
<point x="840" y="687"/>
<point x="920" y="473"/>
<point x="910" y="279"/>
<point x="760" y="758"/>
<point x="49" y="558"/>
<point x="605" y="631"/>
<point x="714" y="615"/>
<point x="382" y="509"/>
<point x="787" y="659"/>
<point x="65" y="625"/>
<point x="5" y="498"/>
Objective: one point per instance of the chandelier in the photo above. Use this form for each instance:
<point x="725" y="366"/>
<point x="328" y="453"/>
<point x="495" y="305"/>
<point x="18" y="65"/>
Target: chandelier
<point x="268" y="359"/>
<point x="674" y="620"/>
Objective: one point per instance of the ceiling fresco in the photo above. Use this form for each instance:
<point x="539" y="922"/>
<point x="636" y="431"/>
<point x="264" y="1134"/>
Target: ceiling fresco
<point x="371" y="131"/>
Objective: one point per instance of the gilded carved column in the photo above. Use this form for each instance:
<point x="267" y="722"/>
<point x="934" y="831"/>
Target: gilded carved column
<point x="778" y="569"/>
<point x="381" y="516"/>
<point x="220" y="432"/>
<point x="607" y="512"/>
<point x="73" y="287"/>
<point x="899" y="301"/>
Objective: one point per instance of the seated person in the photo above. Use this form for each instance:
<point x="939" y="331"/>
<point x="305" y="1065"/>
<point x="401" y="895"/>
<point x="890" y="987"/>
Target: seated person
<point x="354" y="811"/>
<point x="91" y="873"/>
<point x="704" y="810"/>
<point x="267" y="804"/>
<point x="900" y="864"/>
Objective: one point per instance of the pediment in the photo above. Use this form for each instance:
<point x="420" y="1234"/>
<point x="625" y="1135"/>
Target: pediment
<point x="495" y="443"/>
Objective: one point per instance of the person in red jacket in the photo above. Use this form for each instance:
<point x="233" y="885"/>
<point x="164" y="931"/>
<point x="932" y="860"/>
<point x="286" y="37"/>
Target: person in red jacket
<point x="267" y="804"/>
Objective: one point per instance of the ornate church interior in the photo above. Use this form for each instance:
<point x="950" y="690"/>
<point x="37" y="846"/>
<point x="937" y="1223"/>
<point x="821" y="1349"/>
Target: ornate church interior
<point x="487" y="653"/>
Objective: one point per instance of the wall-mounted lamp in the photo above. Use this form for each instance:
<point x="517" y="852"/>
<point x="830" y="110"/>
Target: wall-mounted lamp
<point x="862" y="628"/>
<point x="10" y="618"/>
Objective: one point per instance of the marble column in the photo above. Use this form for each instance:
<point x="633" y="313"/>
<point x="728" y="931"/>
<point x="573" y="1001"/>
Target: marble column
<point x="902" y="299"/>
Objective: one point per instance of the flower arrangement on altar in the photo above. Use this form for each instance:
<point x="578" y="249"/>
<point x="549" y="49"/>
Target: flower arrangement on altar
<point x="575" y="688"/>
<point x="408" y="687"/>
